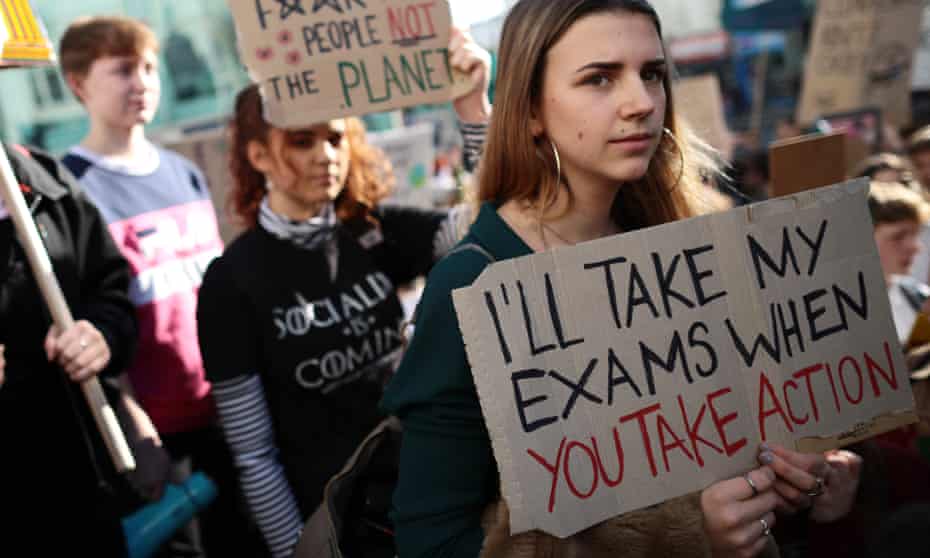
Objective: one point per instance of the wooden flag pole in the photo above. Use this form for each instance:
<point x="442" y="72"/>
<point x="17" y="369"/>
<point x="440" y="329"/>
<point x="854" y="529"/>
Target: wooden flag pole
<point x="42" y="270"/>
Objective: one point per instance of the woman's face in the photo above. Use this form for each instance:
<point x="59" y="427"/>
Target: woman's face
<point x="898" y="243"/>
<point x="603" y="100"/>
<point x="306" y="167"/>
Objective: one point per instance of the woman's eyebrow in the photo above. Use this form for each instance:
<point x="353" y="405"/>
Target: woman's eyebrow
<point x="616" y="66"/>
<point x="606" y="66"/>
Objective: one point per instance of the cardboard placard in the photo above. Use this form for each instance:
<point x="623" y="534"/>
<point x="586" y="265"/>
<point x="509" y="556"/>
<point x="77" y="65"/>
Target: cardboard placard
<point x="626" y="371"/>
<point x="23" y="38"/>
<point x="861" y="55"/>
<point x="700" y="101"/>
<point x="316" y="60"/>
<point x="412" y="155"/>
<point x="807" y="162"/>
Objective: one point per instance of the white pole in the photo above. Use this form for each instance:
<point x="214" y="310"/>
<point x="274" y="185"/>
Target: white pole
<point x="51" y="291"/>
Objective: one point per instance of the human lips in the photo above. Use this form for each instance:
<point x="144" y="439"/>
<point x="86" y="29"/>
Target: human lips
<point x="139" y="104"/>
<point x="632" y="138"/>
<point x="324" y="179"/>
<point x="634" y="142"/>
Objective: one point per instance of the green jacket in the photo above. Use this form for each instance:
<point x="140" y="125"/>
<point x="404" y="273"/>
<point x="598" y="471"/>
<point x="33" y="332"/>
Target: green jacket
<point x="447" y="470"/>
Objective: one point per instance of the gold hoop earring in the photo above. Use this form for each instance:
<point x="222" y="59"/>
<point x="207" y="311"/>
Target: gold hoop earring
<point x="681" y="155"/>
<point x="558" y="162"/>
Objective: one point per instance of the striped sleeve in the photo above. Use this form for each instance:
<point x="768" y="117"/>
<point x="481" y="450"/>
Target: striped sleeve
<point x="473" y="136"/>
<point x="451" y="230"/>
<point x="246" y="423"/>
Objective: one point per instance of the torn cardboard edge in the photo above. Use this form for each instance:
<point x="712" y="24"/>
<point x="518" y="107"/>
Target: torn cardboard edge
<point x="862" y="431"/>
<point x="493" y="415"/>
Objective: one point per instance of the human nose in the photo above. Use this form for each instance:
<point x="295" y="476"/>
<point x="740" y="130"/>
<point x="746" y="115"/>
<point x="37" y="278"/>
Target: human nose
<point x="144" y="79"/>
<point x="326" y="153"/>
<point x="636" y="100"/>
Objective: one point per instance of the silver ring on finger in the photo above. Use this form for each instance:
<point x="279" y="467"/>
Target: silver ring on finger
<point x="752" y="485"/>
<point x="766" y="530"/>
<point x="818" y="488"/>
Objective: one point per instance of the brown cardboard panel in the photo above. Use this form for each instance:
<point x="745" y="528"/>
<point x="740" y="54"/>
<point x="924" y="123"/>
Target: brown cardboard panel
<point x="807" y="162"/>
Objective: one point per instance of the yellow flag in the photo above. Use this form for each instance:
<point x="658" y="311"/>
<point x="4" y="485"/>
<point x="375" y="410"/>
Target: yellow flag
<point x="24" y="38"/>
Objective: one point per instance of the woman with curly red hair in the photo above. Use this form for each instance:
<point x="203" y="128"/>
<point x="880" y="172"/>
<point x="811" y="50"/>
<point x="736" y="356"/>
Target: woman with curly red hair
<point x="299" y="319"/>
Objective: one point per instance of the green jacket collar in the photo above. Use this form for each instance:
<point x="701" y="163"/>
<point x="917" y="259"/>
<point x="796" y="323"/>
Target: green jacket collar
<point x="496" y="236"/>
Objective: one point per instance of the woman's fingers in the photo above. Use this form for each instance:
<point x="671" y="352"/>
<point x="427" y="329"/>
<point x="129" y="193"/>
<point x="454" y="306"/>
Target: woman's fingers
<point x="739" y="512"/>
<point x="81" y="351"/>
<point x="795" y="499"/>
<point x="800" y="470"/>
<point x="51" y="348"/>
<point x="749" y="510"/>
<point x="783" y="506"/>
<point x="840" y="488"/>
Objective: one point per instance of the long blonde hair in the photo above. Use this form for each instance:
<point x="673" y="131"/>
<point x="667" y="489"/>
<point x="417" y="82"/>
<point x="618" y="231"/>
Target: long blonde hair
<point x="511" y="166"/>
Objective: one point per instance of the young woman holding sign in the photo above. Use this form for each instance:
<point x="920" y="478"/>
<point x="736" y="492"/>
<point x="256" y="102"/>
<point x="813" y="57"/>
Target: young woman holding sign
<point x="299" y="319"/>
<point x="584" y="143"/>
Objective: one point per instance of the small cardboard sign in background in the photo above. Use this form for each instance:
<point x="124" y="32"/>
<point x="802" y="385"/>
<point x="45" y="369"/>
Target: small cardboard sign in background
<point x="861" y="55"/>
<point x="412" y="155"/>
<point x="324" y="59"/>
<point x="807" y="162"/>
<point x="700" y="101"/>
<point x="626" y="371"/>
<point x="23" y="38"/>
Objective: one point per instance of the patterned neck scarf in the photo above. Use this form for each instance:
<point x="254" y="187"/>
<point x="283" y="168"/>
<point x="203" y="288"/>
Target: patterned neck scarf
<point x="315" y="233"/>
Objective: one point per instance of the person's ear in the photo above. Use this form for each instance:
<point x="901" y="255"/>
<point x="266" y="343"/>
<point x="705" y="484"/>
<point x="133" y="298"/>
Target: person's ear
<point x="259" y="156"/>
<point x="536" y="127"/>
<point x="76" y="85"/>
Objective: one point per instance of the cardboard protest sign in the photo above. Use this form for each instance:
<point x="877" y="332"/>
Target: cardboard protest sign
<point x="412" y="157"/>
<point x="316" y="60"/>
<point x="861" y="55"/>
<point x="625" y="371"/>
<point x="23" y="38"/>
<point x="700" y="102"/>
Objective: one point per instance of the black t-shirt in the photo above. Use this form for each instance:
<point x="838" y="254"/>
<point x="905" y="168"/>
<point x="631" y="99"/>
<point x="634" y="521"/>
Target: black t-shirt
<point x="323" y="348"/>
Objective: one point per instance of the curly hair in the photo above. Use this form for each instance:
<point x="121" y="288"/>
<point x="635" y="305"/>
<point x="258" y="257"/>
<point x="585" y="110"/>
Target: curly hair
<point x="370" y="177"/>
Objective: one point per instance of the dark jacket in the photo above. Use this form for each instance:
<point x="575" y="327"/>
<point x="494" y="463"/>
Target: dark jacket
<point x="55" y="471"/>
